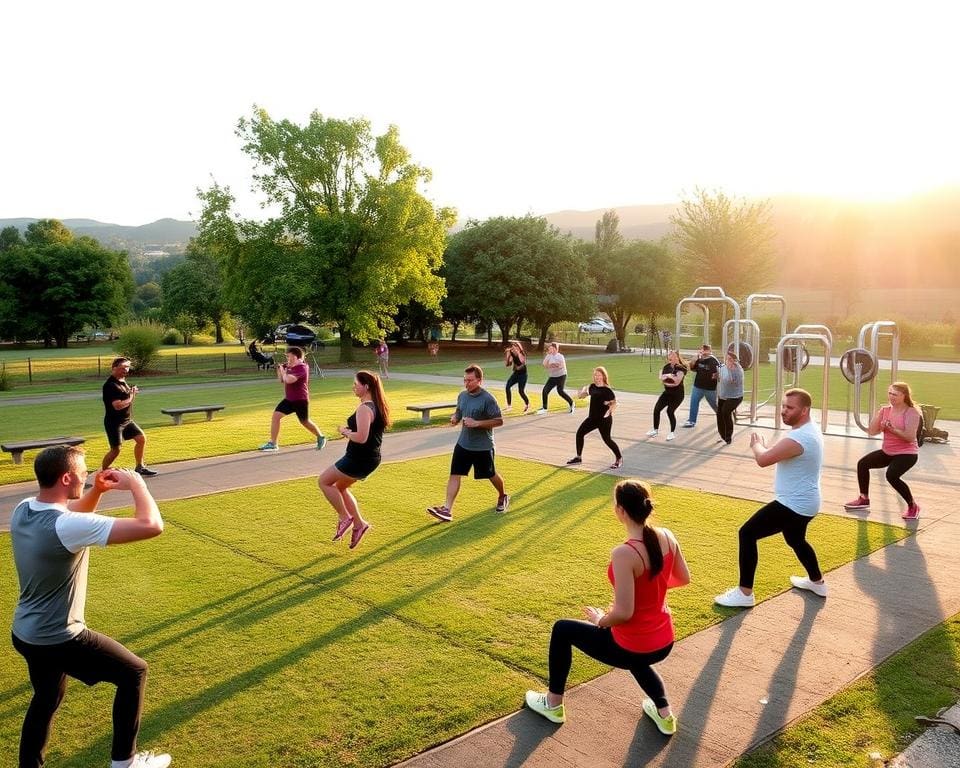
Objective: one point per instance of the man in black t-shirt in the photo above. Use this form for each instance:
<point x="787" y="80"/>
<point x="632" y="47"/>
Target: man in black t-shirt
<point x="118" y="423"/>
<point x="705" y="369"/>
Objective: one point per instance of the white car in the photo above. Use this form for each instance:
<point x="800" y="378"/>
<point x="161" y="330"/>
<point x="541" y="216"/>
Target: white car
<point x="596" y="325"/>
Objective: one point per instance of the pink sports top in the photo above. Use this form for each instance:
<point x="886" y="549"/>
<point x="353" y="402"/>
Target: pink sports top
<point x="651" y="626"/>
<point x="907" y="421"/>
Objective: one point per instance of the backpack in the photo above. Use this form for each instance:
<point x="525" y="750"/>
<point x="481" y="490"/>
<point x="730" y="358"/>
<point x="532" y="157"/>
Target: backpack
<point x="920" y="431"/>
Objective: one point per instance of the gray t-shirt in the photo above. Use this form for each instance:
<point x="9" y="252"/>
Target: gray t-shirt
<point x="481" y="406"/>
<point x="50" y="551"/>
<point x="797" y="481"/>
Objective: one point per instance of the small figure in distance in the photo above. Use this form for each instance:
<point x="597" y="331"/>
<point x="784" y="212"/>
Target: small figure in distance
<point x="118" y="423"/>
<point x="603" y="402"/>
<point x="295" y="377"/>
<point x="382" y="352"/>
<point x="51" y="535"/>
<point x="729" y="396"/>
<point x="706" y="372"/>
<point x="899" y="422"/>
<point x="798" y="457"/>
<point x="637" y="631"/>
<point x="556" y="365"/>
<point x="672" y="377"/>
<point x="514" y="356"/>
<point x="479" y="413"/>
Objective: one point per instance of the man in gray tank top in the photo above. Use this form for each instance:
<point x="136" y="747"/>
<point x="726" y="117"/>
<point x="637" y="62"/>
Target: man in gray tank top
<point x="51" y="534"/>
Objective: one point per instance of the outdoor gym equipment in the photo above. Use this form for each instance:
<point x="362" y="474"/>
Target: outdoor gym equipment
<point x="797" y="340"/>
<point x="752" y="300"/>
<point x="861" y="365"/>
<point x="703" y="297"/>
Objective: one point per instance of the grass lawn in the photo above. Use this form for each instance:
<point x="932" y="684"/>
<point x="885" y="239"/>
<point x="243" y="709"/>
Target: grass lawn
<point x="272" y="646"/>
<point x="242" y="426"/>
<point x="875" y="714"/>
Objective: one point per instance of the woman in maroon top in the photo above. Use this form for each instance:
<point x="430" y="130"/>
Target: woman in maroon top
<point x="637" y="631"/>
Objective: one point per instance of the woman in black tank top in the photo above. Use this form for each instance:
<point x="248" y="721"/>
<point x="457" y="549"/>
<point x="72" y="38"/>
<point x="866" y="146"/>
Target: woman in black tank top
<point x="364" y="434"/>
<point x="514" y="356"/>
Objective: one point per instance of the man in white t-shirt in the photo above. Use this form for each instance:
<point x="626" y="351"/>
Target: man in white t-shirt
<point x="799" y="459"/>
<point x="51" y="534"/>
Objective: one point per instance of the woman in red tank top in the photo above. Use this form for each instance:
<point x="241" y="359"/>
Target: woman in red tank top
<point x="637" y="631"/>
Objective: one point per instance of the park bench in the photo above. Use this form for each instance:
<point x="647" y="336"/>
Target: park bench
<point x="17" y="449"/>
<point x="424" y="410"/>
<point x="177" y="413"/>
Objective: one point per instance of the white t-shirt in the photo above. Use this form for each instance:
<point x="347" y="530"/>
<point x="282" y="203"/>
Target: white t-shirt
<point x="797" y="481"/>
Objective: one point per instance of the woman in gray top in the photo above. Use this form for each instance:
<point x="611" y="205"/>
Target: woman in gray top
<point x="729" y="395"/>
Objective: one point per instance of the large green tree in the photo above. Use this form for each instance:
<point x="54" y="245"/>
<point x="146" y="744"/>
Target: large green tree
<point x="52" y="285"/>
<point x="195" y="288"/>
<point x="353" y="238"/>
<point x="725" y="242"/>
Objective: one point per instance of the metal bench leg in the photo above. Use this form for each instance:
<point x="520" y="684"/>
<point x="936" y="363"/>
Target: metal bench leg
<point x="17" y="457"/>
<point x="177" y="418"/>
<point x="209" y="415"/>
<point x="425" y="417"/>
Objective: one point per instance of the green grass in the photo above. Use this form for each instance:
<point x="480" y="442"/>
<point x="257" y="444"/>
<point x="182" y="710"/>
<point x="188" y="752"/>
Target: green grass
<point x="875" y="714"/>
<point x="242" y="426"/>
<point x="277" y="648"/>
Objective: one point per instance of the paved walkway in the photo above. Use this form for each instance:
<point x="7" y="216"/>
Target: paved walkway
<point x="728" y="696"/>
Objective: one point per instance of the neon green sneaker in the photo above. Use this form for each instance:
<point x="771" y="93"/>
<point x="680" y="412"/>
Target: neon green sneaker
<point x="666" y="725"/>
<point x="538" y="703"/>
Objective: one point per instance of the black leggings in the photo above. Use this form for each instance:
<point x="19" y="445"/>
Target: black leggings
<point x="766" y="521"/>
<point x="520" y="379"/>
<point x="91" y="658"/>
<point x="725" y="409"/>
<point x="669" y="399"/>
<point x="604" y="425"/>
<point x="598" y="643"/>
<point x="897" y="466"/>
<point x="556" y="382"/>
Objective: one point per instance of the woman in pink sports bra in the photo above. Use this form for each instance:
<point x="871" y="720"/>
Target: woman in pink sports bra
<point x="637" y="631"/>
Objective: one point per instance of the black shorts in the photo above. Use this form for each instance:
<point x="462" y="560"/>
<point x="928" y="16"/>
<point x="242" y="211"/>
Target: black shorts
<point x="299" y="407"/>
<point x="481" y="461"/>
<point x="119" y="431"/>
<point x="357" y="467"/>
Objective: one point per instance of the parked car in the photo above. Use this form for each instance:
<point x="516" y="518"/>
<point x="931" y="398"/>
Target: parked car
<point x="596" y="325"/>
<point x="293" y="334"/>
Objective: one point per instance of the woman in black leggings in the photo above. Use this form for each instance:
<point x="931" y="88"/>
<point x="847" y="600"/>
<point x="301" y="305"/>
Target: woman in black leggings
<point x="603" y="402"/>
<point x="899" y="422"/>
<point x="637" y="631"/>
<point x="729" y="395"/>
<point x="672" y="395"/>
<point x="515" y="356"/>
<point x="556" y="365"/>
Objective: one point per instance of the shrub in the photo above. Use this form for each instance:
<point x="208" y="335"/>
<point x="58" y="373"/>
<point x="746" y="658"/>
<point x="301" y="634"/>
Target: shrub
<point x="140" y="343"/>
<point x="5" y="382"/>
<point x="171" y="337"/>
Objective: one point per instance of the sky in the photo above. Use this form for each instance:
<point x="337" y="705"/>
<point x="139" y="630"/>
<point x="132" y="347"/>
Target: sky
<point x="119" y="111"/>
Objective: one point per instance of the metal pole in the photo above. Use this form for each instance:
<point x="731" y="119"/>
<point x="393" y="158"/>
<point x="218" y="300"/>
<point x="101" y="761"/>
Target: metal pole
<point x="29" y="371"/>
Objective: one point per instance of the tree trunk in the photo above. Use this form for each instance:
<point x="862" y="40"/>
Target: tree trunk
<point x="346" y="345"/>
<point x="490" y="334"/>
<point x="505" y="324"/>
<point x="519" y="328"/>
<point x="218" y="331"/>
<point x="456" y="327"/>
<point x="543" y="337"/>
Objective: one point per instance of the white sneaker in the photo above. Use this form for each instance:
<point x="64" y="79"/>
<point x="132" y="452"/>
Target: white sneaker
<point x="652" y="433"/>
<point x="671" y="436"/>
<point x="541" y="411"/>
<point x="150" y="760"/>
<point x="802" y="582"/>
<point x="507" y="408"/>
<point x="734" y="598"/>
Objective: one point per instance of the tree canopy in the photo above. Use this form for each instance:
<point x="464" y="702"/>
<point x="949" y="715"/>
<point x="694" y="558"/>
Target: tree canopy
<point x="353" y="238"/>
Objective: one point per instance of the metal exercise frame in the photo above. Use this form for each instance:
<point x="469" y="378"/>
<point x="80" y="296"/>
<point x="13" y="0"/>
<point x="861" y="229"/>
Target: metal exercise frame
<point x="828" y="349"/>
<point x="702" y="299"/>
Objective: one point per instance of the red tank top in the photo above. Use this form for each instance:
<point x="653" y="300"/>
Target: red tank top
<point x="651" y="626"/>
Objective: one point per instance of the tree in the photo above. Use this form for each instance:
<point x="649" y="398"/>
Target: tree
<point x="354" y="238"/>
<point x="9" y="238"/>
<point x="195" y="288"/>
<point x="725" y="242"/>
<point x="608" y="237"/>
<point x="48" y="232"/>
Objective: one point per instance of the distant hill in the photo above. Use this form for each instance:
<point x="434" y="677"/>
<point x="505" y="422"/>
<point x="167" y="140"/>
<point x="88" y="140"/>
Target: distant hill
<point x="168" y="235"/>
<point x="637" y="222"/>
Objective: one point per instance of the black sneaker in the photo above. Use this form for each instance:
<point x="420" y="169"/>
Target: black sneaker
<point x="144" y="471"/>
<point x="575" y="460"/>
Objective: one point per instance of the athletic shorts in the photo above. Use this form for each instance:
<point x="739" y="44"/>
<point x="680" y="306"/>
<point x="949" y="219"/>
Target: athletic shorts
<point x="299" y="407"/>
<point x="356" y="467"/>
<point x="481" y="461"/>
<point x="117" y="432"/>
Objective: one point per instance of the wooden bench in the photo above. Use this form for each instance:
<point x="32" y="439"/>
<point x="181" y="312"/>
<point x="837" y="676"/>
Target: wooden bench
<point x="177" y="413"/>
<point x="17" y="449"/>
<point x="424" y="410"/>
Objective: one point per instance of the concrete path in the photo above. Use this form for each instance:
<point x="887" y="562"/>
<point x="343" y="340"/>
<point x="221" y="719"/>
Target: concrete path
<point x="733" y="685"/>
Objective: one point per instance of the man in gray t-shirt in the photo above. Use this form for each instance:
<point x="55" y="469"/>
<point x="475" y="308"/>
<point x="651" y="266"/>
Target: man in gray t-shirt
<point x="477" y="413"/>
<point x="51" y="534"/>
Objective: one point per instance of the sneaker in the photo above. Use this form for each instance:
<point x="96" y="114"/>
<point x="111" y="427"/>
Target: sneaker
<point x="734" y="598"/>
<point x="269" y="446"/>
<point x="617" y="464"/>
<point x="541" y="411"/>
<point x="912" y="513"/>
<point x="666" y="725"/>
<point x="802" y="582"/>
<point x="575" y="460"/>
<point x="538" y="703"/>
<point x="689" y="425"/>
<point x="653" y="433"/>
<point x="861" y="502"/>
<point x="145" y="471"/>
<point x="342" y="527"/>
<point x="671" y="436"/>
<point x="358" y="533"/>
<point x="321" y="441"/>
<point x="526" y="408"/>
<point x="506" y="409"/>
<point x="503" y="503"/>
<point x="572" y="409"/>
<point x="150" y="760"/>
<point x="441" y="513"/>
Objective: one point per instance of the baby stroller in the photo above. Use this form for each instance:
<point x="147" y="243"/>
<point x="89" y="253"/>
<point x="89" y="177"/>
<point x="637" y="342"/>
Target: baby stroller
<point x="263" y="361"/>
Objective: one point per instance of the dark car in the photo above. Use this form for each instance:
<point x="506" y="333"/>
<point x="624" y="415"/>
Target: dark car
<point x="295" y="334"/>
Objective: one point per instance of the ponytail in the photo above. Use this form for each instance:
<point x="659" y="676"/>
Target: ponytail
<point x="634" y="498"/>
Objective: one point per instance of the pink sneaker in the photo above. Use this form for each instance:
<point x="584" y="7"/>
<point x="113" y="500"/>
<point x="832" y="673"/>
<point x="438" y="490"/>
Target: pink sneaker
<point x="342" y="527"/>
<point x="861" y="502"/>
<point x="912" y="513"/>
